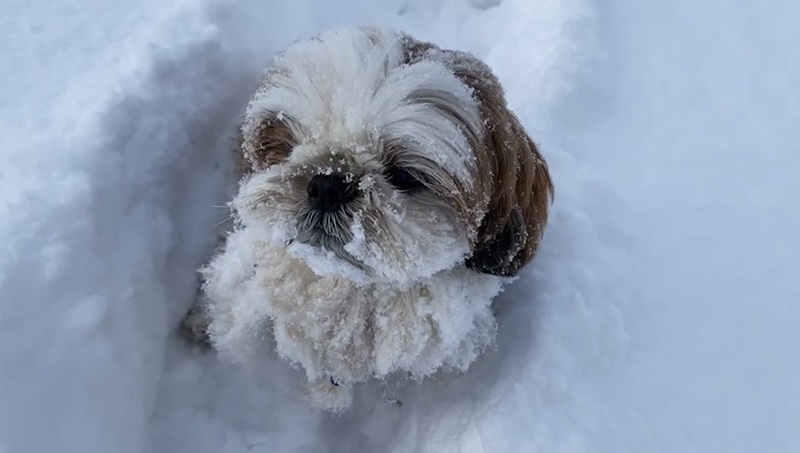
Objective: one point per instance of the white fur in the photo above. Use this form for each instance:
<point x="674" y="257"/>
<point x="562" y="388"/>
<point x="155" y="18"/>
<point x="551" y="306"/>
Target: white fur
<point x="412" y="307"/>
<point x="334" y="327"/>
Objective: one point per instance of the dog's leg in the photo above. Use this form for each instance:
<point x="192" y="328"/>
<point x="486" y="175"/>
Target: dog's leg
<point x="388" y="394"/>
<point x="194" y="325"/>
<point x="328" y="395"/>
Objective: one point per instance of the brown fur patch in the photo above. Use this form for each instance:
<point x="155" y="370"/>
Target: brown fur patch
<point x="271" y="143"/>
<point x="518" y="185"/>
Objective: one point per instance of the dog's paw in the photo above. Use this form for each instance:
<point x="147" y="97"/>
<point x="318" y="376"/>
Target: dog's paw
<point x="328" y="395"/>
<point x="389" y="396"/>
<point x="194" y="326"/>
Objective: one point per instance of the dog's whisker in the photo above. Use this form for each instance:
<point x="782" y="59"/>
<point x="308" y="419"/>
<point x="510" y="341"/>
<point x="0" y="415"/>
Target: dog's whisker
<point x="223" y="221"/>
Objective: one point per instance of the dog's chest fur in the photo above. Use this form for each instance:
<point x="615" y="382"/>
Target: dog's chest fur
<point x="261" y="297"/>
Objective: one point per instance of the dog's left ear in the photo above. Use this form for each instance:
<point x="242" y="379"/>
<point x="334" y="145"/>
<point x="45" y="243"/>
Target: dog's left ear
<point x="519" y="198"/>
<point x="513" y="179"/>
<point x="497" y="254"/>
<point x="518" y="186"/>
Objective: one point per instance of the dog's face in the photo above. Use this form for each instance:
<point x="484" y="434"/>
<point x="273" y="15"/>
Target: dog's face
<point x="376" y="155"/>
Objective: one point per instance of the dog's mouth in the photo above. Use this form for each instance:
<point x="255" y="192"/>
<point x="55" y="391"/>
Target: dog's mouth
<point x="327" y="231"/>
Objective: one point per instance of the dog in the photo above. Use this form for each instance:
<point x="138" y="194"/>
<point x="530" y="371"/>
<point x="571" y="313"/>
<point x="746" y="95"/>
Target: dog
<point x="387" y="195"/>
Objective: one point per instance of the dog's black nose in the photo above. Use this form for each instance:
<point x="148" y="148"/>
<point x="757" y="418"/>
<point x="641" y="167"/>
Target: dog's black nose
<point x="328" y="193"/>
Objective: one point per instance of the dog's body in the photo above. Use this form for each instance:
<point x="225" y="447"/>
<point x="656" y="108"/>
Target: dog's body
<point x="387" y="195"/>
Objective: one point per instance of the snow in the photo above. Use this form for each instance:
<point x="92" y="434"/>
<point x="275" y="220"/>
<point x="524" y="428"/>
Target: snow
<point x="659" y="316"/>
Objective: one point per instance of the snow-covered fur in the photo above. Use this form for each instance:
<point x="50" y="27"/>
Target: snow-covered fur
<point x="443" y="198"/>
<point x="336" y="328"/>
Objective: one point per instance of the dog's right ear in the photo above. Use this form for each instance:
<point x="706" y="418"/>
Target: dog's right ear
<point x="267" y="142"/>
<point x="240" y="165"/>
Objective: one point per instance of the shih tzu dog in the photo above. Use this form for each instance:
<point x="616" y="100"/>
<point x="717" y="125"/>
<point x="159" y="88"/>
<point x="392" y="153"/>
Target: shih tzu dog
<point x="387" y="194"/>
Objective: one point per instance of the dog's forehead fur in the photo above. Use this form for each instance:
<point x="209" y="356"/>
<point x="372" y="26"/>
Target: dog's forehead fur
<point x="353" y="92"/>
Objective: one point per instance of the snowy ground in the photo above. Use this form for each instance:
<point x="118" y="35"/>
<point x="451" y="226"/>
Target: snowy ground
<point x="661" y="314"/>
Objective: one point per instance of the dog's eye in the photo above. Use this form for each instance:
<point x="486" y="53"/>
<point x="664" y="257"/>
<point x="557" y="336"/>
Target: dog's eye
<point x="403" y="179"/>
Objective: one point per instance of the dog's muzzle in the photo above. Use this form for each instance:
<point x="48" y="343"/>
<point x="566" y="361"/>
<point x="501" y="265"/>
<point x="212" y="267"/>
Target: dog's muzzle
<point x="325" y="220"/>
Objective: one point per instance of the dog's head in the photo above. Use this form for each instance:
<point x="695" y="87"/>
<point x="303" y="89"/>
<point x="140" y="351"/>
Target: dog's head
<point x="367" y="149"/>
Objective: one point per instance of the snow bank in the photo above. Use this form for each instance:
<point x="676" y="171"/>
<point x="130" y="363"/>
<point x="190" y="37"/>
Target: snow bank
<point x="107" y="186"/>
<point x="698" y="135"/>
<point x="658" y="316"/>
